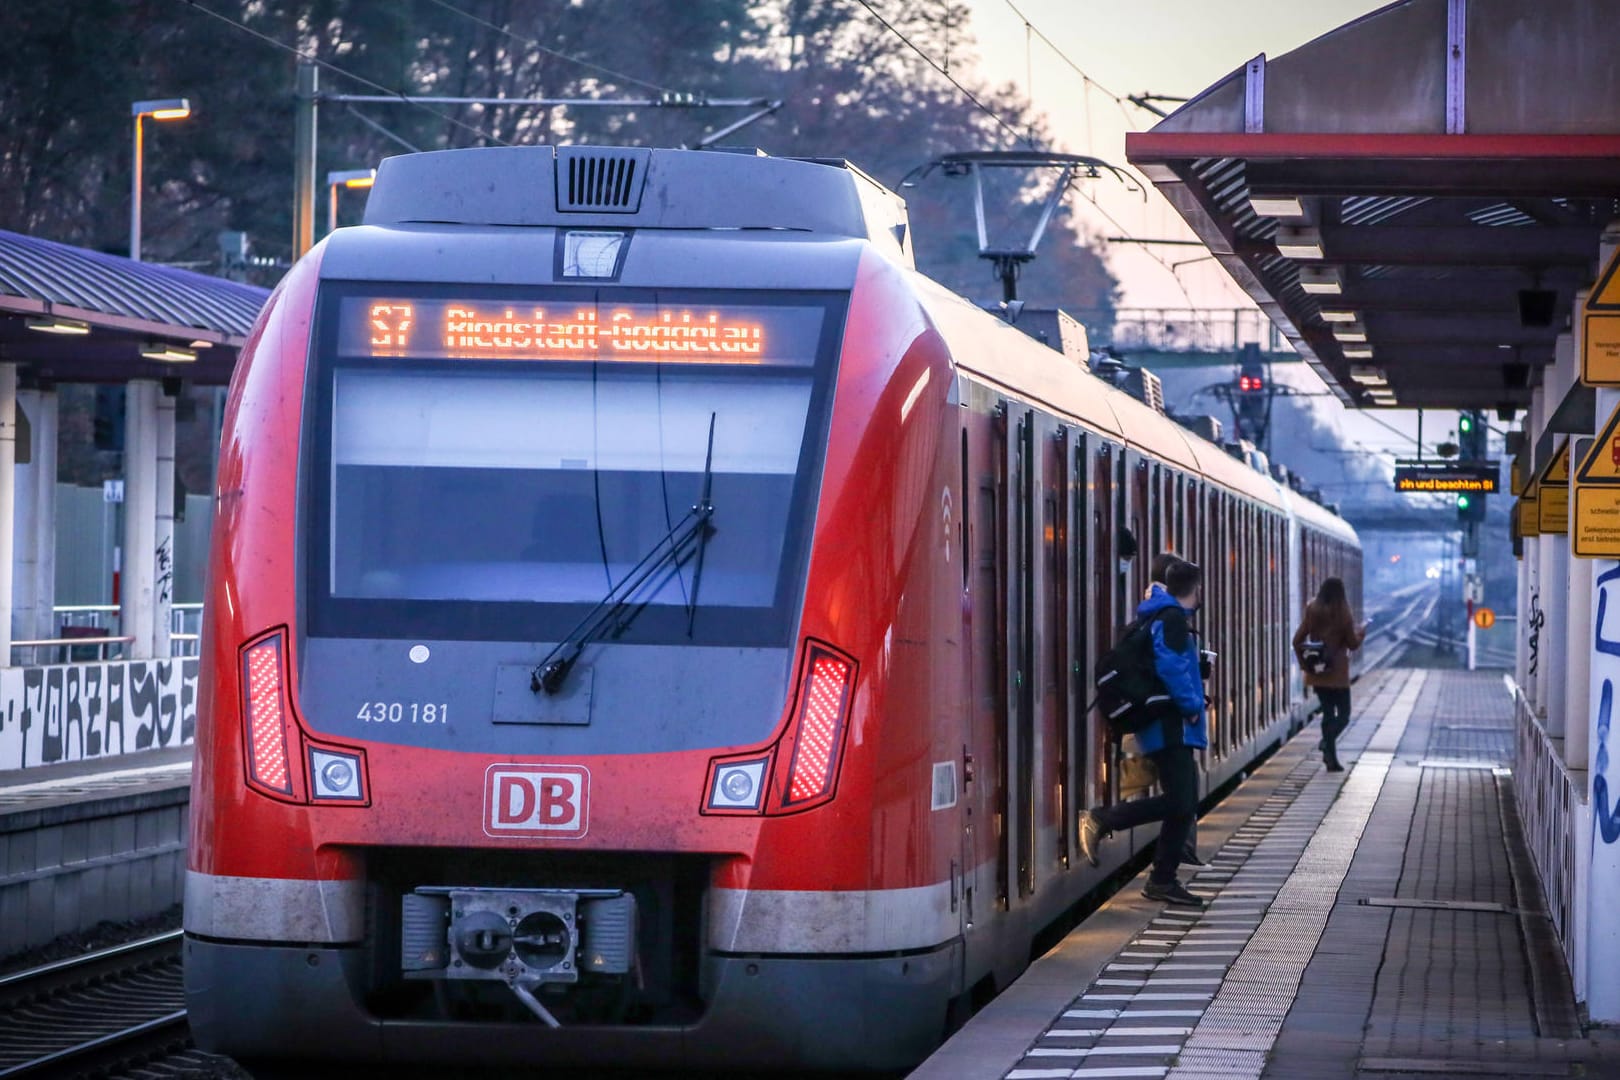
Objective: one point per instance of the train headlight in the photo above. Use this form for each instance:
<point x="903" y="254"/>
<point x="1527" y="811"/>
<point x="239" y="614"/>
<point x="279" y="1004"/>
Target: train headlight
<point x="737" y="786"/>
<point x="335" y="776"/>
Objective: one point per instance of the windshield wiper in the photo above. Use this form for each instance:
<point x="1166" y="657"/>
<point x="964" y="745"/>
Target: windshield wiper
<point x="704" y="531"/>
<point x="613" y="611"/>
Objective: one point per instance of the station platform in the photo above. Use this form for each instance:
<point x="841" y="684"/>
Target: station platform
<point x="92" y="841"/>
<point x="1381" y="922"/>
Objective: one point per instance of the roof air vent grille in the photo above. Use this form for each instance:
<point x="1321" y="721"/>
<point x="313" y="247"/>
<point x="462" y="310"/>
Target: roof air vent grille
<point x="601" y="180"/>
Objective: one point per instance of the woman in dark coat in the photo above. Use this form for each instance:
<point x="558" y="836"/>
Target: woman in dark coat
<point x="1330" y="631"/>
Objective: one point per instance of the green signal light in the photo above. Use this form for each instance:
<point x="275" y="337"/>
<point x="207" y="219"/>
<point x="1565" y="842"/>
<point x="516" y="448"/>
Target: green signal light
<point x="1465" y="423"/>
<point x="1462" y="502"/>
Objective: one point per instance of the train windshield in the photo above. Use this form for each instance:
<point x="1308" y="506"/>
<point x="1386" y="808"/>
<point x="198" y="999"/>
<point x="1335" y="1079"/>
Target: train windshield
<point x="490" y="468"/>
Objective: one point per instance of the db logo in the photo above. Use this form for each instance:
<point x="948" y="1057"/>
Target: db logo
<point x="536" y="800"/>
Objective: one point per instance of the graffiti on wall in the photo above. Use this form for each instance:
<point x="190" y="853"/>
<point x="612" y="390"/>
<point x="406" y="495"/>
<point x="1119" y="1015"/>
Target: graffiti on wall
<point x="1605" y="641"/>
<point x="1537" y="620"/>
<point x="73" y="712"/>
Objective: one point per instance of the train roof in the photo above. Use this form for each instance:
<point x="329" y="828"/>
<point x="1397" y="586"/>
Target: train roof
<point x="637" y="187"/>
<point x="1005" y="357"/>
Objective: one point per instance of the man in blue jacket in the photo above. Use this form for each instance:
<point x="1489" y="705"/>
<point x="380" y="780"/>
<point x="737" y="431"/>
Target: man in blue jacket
<point x="1170" y="742"/>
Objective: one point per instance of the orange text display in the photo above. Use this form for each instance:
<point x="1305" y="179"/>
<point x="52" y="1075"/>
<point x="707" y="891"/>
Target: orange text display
<point x="467" y="331"/>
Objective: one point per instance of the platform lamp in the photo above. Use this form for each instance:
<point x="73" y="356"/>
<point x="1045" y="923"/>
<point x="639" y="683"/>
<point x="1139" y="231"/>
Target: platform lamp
<point x="161" y="109"/>
<point x="348" y="178"/>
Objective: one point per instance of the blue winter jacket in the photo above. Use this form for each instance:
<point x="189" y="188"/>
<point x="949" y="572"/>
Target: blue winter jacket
<point x="1175" y="658"/>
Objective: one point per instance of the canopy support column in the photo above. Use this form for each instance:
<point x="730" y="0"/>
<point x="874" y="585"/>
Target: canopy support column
<point x="140" y="516"/>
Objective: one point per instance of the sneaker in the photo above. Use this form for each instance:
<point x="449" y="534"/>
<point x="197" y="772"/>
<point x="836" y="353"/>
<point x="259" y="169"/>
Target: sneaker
<point x="1333" y="766"/>
<point x="1091" y="834"/>
<point x="1189" y="856"/>
<point x="1175" y="894"/>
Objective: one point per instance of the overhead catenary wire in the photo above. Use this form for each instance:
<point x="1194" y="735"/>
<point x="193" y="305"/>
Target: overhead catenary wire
<point x="1050" y="44"/>
<point x="965" y="92"/>
<point x="618" y="76"/>
<point x="337" y="69"/>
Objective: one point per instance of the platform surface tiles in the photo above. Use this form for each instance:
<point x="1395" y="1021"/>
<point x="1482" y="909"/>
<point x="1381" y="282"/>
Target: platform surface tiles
<point x="1382" y="922"/>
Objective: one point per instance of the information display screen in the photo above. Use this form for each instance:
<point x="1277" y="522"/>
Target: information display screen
<point x="500" y="329"/>
<point x="1449" y="478"/>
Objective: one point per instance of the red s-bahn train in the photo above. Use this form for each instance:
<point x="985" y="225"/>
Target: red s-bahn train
<point x="650" y="623"/>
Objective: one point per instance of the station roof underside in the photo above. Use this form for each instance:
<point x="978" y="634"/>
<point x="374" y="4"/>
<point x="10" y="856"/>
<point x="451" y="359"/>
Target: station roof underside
<point x="1451" y="165"/>
<point x="124" y="306"/>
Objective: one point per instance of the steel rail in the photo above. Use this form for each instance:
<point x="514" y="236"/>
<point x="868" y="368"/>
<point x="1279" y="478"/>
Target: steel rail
<point x="133" y="990"/>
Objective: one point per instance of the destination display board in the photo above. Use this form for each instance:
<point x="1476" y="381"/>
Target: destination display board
<point x="1450" y="477"/>
<point x="501" y="329"/>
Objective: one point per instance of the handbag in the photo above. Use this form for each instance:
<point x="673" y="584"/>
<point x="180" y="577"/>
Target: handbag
<point x="1314" y="657"/>
<point x="1137" y="773"/>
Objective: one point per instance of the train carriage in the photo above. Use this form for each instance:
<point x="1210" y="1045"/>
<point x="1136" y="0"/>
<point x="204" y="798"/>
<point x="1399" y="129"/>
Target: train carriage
<point x="649" y="623"/>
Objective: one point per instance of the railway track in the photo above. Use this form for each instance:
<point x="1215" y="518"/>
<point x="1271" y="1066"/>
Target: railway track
<point x="98" y="1014"/>
<point x="1396" y="621"/>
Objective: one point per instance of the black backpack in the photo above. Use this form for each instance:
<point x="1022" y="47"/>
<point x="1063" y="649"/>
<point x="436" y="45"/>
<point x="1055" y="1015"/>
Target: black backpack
<point x="1130" y="694"/>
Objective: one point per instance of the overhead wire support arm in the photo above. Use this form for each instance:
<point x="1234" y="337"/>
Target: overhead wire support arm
<point x="1009" y="261"/>
<point x="731" y="129"/>
<point x="663" y="101"/>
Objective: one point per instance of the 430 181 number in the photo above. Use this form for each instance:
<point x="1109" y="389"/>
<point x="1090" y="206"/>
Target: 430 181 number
<point x="403" y="712"/>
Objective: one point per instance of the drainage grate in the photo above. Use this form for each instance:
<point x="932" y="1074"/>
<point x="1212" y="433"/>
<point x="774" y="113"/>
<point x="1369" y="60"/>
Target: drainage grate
<point x="601" y="180"/>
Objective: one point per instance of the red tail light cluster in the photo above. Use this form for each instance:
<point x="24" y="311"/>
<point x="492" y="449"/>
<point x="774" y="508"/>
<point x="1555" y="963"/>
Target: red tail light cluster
<point x="812" y="747"/>
<point x="276" y="748"/>
<point x="264" y="700"/>
<point x="823" y="705"/>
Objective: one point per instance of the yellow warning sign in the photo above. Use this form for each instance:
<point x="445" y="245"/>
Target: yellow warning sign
<point x="1552" y="498"/>
<point x="1552" y="511"/>
<point x="1529" y="520"/>
<point x="1484" y="618"/>
<point x="1601" y="464"/>
<point x="1557" y="470"/>
<point x="1600" y="329"/>
<point x="1597" y="523"/>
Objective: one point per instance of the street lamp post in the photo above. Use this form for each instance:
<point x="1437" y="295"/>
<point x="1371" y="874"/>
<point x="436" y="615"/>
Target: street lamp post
<point x="347" y="178"/>
<point x="162" y="109"/>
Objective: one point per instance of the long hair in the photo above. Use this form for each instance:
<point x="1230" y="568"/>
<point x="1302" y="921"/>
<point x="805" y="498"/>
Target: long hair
<point x="1333" y="608"/>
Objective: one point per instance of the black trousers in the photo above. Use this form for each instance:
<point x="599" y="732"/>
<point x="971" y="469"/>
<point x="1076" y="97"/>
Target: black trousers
<point x="1176" y="806"/>
<point x="1335" y="718"/>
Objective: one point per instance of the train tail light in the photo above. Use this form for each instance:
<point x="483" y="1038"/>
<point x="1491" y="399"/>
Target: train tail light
<point x="818" y="728"/>
<point x="812" y="746"/>
<point x="267" y="714"/>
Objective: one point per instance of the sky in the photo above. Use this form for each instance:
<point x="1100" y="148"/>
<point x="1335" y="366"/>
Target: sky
<point x="1176" y="48"/>
<point x="1171" y="47"/>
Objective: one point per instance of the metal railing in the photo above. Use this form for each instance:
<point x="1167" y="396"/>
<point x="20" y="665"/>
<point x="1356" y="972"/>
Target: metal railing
<point x="90" y="632"/>
<point x="1195" y="330"/>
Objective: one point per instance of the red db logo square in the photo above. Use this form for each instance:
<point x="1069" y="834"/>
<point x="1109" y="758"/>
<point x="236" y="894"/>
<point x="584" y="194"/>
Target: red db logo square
<point x="536" y="800"/>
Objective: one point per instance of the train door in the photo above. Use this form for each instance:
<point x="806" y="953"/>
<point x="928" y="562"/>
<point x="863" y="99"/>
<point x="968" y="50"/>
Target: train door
<point x="1140" y="525"/>
<point x="984" y="456"/>
<point x="1153" y="515"/>
<point x="1021" y="608"/>
<point x="1053" y="746"/>
<point x="993" y="603"/>
<point x="1076" y="675"/>
<point x="1101" y="469"/>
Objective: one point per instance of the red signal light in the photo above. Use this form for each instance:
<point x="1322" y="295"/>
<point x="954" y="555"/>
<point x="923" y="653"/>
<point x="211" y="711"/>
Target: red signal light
<point x="818" y="732"/>
<point x="264" y="705"/>
<point x="1249" y="383"/>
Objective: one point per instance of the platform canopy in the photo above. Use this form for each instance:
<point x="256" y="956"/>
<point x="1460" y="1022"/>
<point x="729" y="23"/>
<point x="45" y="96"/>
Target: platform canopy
<point x="1415" y="196"/>
<point x="68" y="314"/>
